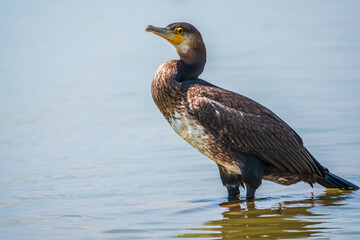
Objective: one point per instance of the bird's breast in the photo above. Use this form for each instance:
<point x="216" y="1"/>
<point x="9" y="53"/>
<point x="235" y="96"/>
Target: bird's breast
<point x="196" y="135"/>
<point x="191" y="130"/>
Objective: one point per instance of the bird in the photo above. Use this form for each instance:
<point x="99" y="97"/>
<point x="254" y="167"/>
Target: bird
<point x="248" y="142"/>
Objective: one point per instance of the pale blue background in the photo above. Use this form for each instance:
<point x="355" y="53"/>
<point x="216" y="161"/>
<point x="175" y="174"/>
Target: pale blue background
<point x="84" y="152"/>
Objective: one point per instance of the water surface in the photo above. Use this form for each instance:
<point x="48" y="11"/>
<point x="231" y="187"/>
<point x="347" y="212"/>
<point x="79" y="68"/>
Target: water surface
<point x="85" y="154"/>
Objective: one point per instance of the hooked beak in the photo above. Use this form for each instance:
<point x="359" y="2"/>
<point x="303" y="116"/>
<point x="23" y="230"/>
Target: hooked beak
<point x="169" y="35"/>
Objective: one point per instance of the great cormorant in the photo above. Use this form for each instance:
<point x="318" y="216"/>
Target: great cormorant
<point x="246" y="140"/>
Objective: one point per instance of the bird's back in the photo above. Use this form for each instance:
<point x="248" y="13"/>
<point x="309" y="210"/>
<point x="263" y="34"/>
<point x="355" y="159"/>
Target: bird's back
<point x="244" y="125"/>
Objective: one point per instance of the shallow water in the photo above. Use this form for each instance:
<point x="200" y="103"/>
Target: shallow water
<point x="85" y="154"/>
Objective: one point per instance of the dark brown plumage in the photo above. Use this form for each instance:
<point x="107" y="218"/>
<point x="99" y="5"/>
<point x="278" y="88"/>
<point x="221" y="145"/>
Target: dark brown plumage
<point x="247" y="141"/>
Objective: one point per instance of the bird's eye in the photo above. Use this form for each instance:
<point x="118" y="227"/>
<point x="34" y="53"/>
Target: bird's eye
<point x="179" y="30"/>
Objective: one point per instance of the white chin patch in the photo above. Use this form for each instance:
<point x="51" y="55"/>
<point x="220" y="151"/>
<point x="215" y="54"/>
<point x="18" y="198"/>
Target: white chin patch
<point x="182" y="47"/>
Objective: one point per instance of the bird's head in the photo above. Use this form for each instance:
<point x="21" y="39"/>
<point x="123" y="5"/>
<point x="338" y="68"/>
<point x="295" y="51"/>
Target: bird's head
<point x="186" y="39"/>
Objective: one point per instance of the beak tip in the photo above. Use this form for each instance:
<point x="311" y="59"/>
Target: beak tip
<point x="148" y="28"/>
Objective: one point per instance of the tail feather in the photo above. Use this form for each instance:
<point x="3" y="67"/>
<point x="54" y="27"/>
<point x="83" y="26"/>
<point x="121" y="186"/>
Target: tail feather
<point x="333" y="181"/>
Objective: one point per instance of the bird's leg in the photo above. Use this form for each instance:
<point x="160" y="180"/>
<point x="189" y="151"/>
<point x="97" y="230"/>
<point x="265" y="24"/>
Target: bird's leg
<point x="252" y="172"/>
<point x="231" y="181"/>
<point x="250" y="193"/>
<point x="233" y="192"/>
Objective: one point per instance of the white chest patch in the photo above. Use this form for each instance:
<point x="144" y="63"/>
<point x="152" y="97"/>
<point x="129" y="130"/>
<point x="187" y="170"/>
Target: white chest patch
<point x="190" y="130"/>
<point x="196" y="135"/>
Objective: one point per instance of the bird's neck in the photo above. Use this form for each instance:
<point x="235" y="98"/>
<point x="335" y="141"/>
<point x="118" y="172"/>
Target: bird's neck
<point x="192" y="61"/>
<point x="190" y="69"/>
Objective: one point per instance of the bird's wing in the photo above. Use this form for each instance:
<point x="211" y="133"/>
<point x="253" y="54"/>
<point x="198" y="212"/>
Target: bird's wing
<point x="251" y="128"/>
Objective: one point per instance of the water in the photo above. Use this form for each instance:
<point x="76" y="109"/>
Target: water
<point x="85" y="154"/>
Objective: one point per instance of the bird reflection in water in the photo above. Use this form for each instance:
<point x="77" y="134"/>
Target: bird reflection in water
<point x="289" y="219"/>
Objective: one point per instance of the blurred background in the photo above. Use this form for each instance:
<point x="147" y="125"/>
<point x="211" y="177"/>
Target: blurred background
<point x="85" y="153"/>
